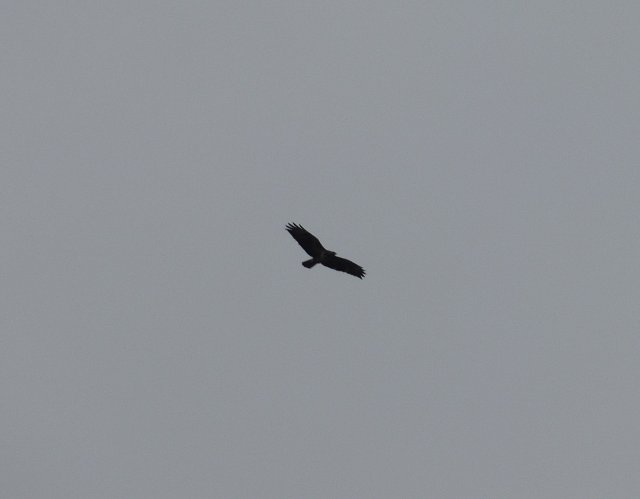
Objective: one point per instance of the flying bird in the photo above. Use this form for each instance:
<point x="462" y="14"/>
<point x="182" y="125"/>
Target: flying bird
<point x="319" y="254"/>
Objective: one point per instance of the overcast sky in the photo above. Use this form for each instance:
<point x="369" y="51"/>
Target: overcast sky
<point x="159" y="337"/>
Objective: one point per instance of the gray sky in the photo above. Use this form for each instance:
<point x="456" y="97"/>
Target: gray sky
<point x="159" y="337"/>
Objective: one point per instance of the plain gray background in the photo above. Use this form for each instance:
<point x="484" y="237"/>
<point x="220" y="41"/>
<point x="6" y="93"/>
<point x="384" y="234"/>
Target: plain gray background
<point x="159" y="337"/>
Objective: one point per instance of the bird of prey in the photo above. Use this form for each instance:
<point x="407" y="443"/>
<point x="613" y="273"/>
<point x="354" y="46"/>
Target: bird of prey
<point x="319" y="254"/>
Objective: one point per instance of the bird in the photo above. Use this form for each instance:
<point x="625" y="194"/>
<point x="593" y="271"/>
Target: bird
<point x="319" y="254"/>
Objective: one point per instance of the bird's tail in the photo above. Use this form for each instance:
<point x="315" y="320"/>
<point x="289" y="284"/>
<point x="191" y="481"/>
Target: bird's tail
<point x="309" y="263"/>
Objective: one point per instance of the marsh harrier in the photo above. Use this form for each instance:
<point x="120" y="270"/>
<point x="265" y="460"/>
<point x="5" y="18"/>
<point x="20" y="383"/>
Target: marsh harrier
<point x="319" y="254"/>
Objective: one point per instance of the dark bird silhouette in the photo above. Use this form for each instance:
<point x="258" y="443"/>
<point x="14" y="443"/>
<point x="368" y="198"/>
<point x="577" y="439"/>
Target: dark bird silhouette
<point x="319" y="254"/>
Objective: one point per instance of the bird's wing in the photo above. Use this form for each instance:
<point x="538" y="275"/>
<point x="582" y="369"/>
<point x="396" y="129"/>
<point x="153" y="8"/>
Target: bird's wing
<point x="343" y="265"/>
<point x="308" y="241"/>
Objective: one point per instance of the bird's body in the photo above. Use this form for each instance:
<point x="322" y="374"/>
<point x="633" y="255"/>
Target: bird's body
<point x="323" y="256"/>
<point x="319" y="254"/>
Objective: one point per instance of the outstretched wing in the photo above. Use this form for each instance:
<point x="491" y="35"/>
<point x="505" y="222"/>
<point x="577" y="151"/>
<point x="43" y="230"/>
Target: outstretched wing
<point x="343" y="265"/>
<point x="308" y="241"/>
